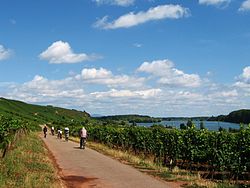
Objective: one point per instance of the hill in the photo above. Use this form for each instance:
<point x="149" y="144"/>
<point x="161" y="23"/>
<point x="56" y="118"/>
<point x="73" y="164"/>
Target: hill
<point x="202" y="118"/>
<point x="130" y="118"/>
<point x="40" y="114"/>
<point x="239" y="116"/>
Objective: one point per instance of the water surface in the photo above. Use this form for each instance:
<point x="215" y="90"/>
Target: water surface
<point x="210" y="125"/>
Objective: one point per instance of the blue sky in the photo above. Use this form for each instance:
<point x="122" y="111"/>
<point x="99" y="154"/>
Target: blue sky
<point x="160" y="58"/>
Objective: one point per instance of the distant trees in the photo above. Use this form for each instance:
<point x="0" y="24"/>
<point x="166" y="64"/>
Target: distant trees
<point x="239" y="116"/>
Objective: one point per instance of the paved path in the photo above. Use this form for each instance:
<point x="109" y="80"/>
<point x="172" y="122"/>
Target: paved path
<point x="88" y="168"/>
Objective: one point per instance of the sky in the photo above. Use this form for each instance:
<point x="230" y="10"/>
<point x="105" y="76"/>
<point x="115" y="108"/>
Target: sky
<point x="151" y="57"/>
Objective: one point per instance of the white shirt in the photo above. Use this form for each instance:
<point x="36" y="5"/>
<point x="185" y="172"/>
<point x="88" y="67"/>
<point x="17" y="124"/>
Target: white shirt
<point x="83" y="133"/>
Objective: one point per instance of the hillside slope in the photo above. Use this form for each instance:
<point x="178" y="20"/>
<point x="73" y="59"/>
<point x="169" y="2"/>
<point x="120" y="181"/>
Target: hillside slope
<point x="40" y="114"/>
<point x="238" y="116"/>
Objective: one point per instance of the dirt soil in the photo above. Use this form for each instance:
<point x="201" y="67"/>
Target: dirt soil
<point x="87" y="168"/>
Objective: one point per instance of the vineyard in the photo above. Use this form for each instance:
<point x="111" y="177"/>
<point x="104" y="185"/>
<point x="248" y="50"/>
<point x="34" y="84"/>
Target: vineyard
<point x="216" y="154"/>
<point x="10" y="130"/>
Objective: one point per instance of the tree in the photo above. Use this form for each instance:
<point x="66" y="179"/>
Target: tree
<point x="189" y="124"/>
<point x="202" y="126"/>
<point x="123" y="123"/>
<point x="134" y="123"/>
<point x="183" y="126"/>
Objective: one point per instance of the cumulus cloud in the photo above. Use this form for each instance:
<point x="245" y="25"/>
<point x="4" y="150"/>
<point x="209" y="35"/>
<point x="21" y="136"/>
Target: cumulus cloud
<point x="4" y="53"/>
<point x="132" y="19"/>
<point x="75" y="93"/>
<point x="243" y="80"/>
<point x="123" y="94"/>
<point x="245" y="6"/>
<point x="88" y="74"/>
<point x="42" y="90"/>
<point x="169" y="75"/>
<point x="149" y="93"/>
<point x="106" y="77"/>
<point x="52" y="88"/>
<point x="214" y="2"/>
<point x="61" y="52"/>
<point x="123" y="3"/>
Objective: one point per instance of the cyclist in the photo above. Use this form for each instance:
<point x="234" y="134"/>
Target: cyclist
<point x="45" y="129"/>
<point x="66" y="133"/>
<point x="52" y="131"/>
<point x="83" y="137"/>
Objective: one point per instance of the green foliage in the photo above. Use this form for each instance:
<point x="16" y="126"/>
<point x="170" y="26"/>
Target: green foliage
<point x="131" y="118"/>
<point x="191" y="148"/>
<point x="37" y="115"/>
<point x="239" y="116"/>
<point x="8" y="129"/>
<point x="27" y="165"/>
<point x="183" y="126"/>
<point x="190" y="124"/>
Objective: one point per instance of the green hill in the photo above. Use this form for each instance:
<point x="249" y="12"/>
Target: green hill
<point x="239" y="116"/>
<point x="40" y="114"/>
<point x="130" y="118"/>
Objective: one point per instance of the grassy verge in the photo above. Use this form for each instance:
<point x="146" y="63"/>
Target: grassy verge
<point x="28" y="165"/>
<point x="185" y="178"/>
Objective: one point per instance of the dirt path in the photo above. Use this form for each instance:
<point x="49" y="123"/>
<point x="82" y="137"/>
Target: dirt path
<point x="88" y="168"/>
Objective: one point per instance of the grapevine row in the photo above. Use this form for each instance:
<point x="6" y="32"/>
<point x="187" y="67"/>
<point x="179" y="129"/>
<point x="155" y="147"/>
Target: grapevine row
<point x="191" y="149"/>
<point x="9" y="129"/>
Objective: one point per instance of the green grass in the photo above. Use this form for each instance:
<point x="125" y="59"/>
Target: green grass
<point x="36" y="114"/>
<point x="28" y="165"/>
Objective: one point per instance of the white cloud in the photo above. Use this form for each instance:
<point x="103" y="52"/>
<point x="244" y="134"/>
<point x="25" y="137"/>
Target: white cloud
<point x="42" y="90"/>
<point x="51" y="88"/>
<point x="115" y="2"/>
<point x="244" y="78"/>
<point x="75" y="93"/>
<point x="224" y="94"/>
<point x="106" y="77"/>
<point x="246" y="74"/>
<point x="61" y="52"/>
<point x="96" y="74"/>
<point x="145" y="94"/>
<point x="4" y="53"/>
<point x="214" y="2"/>
<point x="123" y="94"/>
<point x="245" y="6"/>
<point x="137" y="45"/>
<point x="169" y="75"/>
<point x="132" y="19"/>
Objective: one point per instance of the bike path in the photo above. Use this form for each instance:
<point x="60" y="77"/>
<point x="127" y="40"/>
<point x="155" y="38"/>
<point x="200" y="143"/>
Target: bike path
<point x="88" y="168"/>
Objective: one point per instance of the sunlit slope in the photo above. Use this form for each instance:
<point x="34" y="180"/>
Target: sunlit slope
<point x="37" y="113"/>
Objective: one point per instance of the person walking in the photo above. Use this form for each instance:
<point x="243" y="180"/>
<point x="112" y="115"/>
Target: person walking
<point x="83" y="137"/>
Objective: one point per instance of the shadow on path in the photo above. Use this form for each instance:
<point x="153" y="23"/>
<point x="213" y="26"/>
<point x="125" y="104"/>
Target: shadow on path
<point x="77" y="181"/>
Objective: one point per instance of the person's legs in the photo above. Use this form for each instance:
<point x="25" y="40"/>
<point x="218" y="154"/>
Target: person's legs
<point x="81" y="142"/>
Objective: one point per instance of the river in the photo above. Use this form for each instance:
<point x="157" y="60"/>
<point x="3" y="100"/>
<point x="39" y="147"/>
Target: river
<point x="210" y="125"/>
